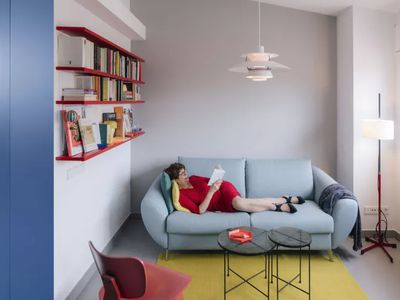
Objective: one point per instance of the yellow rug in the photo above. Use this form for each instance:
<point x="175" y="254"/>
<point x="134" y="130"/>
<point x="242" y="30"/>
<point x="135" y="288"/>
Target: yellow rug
<point x="329" y="280"/>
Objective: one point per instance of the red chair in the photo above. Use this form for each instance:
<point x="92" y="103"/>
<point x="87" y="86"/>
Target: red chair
<point x="126" y="278"/>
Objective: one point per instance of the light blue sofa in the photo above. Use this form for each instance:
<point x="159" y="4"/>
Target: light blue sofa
<point x="253" y="178"/>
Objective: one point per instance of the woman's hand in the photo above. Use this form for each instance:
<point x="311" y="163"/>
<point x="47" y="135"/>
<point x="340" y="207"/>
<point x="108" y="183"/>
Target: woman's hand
<point x="206" y="202"/>
<point x="215" y="186"/>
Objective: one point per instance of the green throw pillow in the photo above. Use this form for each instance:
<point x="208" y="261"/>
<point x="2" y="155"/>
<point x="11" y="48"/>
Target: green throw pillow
<point x="166" y="189"/>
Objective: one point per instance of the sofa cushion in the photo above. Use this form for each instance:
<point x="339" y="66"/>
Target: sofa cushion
<point x="207" y="223"/>
<point x="166" y="189"/>
<point x="234" y="168"/>
<point x="175" y="197"/>
<point x="274" y="178"/>
<point x="309" y="217"/>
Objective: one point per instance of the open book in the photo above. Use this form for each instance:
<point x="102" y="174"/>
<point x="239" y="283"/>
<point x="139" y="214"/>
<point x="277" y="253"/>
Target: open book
<point x="217" y="174"/>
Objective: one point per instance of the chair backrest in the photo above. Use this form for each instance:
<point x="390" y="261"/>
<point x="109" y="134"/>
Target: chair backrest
<point x="128" y="273"/>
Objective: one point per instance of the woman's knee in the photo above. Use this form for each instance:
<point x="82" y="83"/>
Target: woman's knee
<point x="238" y="203"/>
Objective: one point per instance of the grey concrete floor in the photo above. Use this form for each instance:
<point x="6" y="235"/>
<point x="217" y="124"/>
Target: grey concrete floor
<point x="379" y="278"/>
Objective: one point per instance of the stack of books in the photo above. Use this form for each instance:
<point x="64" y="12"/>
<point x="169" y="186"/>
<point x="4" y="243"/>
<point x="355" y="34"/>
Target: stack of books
<point x="79" y="94"/>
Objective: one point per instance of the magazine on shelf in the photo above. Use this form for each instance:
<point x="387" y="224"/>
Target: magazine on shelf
<point x="128" y="120"/>
<point x="88" y="130"/>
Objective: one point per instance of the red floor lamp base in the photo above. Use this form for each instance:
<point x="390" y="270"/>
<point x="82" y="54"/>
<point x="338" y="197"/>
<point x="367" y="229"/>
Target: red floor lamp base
<point x="378" y="243"/>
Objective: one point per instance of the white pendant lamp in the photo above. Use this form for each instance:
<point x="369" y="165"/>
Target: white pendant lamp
<point x="258" y="66"/>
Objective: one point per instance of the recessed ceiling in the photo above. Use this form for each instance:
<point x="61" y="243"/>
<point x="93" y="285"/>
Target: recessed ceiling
<point x="333" y="7"/>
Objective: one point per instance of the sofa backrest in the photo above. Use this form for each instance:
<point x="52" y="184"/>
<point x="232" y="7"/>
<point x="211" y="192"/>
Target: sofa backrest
<point x="234" y="168"/>
<point x="274" y="178"/>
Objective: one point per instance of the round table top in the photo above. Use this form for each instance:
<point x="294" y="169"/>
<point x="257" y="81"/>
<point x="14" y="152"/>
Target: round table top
<point x="260" y="244"/>
<point x="290" y="237"/>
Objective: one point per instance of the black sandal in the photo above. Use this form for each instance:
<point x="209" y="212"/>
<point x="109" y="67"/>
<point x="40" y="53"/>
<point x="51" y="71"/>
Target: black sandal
<point x="292" y="209"/>
<point x="289" y="199"/>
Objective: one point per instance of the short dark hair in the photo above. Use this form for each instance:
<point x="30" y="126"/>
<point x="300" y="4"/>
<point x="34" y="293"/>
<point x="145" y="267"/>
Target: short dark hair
<point x="173" y="170"/>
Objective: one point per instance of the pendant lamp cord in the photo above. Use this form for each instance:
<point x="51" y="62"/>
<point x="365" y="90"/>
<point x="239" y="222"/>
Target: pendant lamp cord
<point x="259" y="25"/>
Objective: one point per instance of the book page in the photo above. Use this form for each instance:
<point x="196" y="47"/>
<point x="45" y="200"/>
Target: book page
<point x="216" y="175"/>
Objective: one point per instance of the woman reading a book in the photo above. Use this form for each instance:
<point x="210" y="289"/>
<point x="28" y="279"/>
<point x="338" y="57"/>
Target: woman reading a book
<point x="198" y="197"/>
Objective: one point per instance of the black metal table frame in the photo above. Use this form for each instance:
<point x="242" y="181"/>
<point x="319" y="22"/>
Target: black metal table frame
<point x="267" y="265"/>
<point x="289" y="283"/>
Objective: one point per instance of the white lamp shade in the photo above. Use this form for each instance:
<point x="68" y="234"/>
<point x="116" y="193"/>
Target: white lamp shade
<point x="259" y="74"/>
<point x="378" y="129"/>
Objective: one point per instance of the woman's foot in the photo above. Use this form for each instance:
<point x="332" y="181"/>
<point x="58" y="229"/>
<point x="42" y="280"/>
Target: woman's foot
<point x="294" y="199"/>
<point x="285" y="207"/>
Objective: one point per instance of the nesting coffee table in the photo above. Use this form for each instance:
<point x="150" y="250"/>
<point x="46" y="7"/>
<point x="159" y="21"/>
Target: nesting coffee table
<point x="291" y="237"/>
<point x="259" y="245"/>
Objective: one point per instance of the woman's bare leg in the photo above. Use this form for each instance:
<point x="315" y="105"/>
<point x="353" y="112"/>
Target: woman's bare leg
<point x="258" y="204"/>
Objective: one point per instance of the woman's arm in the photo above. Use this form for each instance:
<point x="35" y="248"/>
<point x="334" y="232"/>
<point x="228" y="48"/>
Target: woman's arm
<point x="206" y="202"/>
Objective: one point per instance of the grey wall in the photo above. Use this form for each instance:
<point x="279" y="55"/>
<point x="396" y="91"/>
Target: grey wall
<point x="195" y="107"/>
<point x="345" y="103"/>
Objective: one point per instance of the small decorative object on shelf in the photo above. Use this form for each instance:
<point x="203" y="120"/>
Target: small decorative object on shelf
<point x="240" y="235"/>
<point x="109" y="74"/>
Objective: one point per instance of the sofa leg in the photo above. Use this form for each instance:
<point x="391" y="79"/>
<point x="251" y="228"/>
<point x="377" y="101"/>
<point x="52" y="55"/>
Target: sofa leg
<point x="330" y="255"/>
<point x="166" y="254"/>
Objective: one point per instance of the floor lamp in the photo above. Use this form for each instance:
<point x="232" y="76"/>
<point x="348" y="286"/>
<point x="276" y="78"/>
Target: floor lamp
<point x="380" y="130"/>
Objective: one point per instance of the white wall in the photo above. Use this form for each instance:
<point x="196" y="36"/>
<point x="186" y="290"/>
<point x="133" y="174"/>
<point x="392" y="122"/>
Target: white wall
<point x="396" y="203"/>
<point x="195" y="107"/>
<point x="367" y="56"/>
<point x="92" y="199"/>
<point x="345" y="107"/>
<point x="374" y="72"/>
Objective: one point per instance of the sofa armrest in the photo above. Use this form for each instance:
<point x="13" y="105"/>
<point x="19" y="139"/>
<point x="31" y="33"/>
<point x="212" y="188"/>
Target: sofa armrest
<point x="344" y="217"/>
<point x="154" y="214"/>
<point x="344" y="213"/>
<point x="321" y="181"/>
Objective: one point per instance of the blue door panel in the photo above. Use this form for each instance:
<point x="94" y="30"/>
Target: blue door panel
<point x="4" y="149"/>
<point x="31" y="144"/>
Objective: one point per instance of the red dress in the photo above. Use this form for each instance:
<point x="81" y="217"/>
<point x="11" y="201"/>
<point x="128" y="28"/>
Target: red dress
<point x="220" y="201"/>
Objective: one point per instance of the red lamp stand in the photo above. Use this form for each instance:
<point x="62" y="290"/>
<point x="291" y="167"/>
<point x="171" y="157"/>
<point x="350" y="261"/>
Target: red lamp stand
<point x="379" y="242"/>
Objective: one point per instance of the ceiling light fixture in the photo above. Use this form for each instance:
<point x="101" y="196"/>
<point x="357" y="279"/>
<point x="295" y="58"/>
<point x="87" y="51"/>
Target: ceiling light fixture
<point x="258" y="65"/>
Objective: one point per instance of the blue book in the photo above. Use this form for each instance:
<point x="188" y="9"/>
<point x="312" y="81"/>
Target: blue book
<point x="103" y="133"/>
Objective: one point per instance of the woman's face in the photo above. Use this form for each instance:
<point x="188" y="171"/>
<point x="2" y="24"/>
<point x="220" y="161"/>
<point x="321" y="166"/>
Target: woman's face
<point x="183" y="179"/>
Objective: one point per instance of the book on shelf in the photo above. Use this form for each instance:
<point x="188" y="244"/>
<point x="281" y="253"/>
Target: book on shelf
<point x="96" y="133"/>
<point x="78" y="91"/>
<point x="79" y="97"/>
<point x="119" y="116"/>
<point x="78" y="94"/>
<point x="104" y="129"/>
<point x="137" y="95"/>
<point x="87" y="129"/>
<point x="109" y="89"/>
<point x="71" y="130"/>
<point x="111" y="127"/>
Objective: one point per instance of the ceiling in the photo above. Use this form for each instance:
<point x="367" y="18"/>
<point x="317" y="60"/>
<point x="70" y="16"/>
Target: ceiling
<point x="333" y="7"/>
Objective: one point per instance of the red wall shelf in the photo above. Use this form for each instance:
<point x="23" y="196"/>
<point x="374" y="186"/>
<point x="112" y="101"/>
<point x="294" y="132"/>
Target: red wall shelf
<point x="97" y="39"/>
<point x="97" y="102"/>
<point x="91" y="154"/>
<point x="99" y="73"/>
